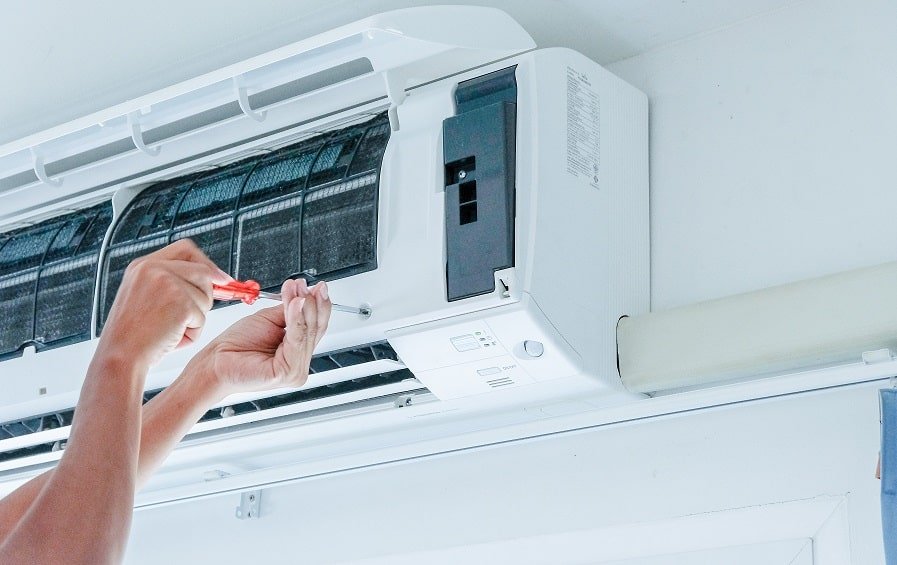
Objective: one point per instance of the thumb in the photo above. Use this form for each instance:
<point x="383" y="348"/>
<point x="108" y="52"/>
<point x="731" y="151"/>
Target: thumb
<point x="274" y="314"/>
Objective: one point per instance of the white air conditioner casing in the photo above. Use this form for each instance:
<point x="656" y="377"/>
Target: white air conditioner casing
<point x="580" y="242"/>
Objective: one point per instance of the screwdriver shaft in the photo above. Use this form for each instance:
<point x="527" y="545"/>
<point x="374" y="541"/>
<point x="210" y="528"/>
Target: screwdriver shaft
<point x="338" y="307"/>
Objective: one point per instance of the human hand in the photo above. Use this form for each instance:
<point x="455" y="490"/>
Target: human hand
<point x="271" y="348"/>
<point x="161" y="304"/>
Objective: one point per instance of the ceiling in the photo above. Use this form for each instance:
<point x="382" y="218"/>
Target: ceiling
<point x="67" y="59"/>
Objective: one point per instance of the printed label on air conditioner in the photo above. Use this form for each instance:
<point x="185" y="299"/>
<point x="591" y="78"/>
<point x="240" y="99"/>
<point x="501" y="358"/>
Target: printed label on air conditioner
<point x="583" y="126"/>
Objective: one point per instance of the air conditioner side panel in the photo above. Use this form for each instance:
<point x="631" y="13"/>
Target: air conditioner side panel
<point x="586" y="132"/>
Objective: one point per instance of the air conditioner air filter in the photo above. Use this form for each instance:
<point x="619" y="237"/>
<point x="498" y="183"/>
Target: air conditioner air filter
<point x="309" y="208"/>
<point x="47" y="280"/>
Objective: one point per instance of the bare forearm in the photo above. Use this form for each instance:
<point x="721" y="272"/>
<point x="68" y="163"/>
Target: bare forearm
<point x="95" y="478"/>
<point x="169" y="416"/>
<point x="166" y="419"/>
<point x="14" y="505"/>
<point x="82" y="511"/>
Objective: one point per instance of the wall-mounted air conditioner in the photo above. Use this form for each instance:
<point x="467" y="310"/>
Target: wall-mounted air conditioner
<point x="487" y="200"/>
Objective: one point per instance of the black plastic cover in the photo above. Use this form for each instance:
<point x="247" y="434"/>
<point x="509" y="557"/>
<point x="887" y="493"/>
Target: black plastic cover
<point x="48" y="278"/>
<point x="309" y="208"/>
<point x="479" y="147"/>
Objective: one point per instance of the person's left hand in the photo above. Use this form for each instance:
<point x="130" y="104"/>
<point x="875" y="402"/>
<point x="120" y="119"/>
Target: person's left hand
<point x="271" y="348"/>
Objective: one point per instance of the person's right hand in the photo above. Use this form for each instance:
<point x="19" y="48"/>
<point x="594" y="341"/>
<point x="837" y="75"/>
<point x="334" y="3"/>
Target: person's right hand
<point x="161" y="304"/>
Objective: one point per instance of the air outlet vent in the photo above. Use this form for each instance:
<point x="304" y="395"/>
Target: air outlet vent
<point x="20" y="430"/>
<point x="310" y="207"/>
<point x="498" y="383"/>
<point x="47" y="280"/>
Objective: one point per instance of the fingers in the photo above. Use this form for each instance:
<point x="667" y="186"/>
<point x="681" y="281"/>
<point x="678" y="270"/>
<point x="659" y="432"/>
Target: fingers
<point x="307" y="312"/>
<point x="306" y="320"/>
<point x="273" y="348"/>
<point x="186" y="250"/>
<point x="274" y="315"/>
<point x="293" y="294"/>
<point x="300" y="317"/>
<point x="293" y="288"/>
<point x="287" y="291"/>
<point x="294" y="323"/>
<point x="162" y="302"/>
<point x="201" y="302"/>
<point x="199" y="276"/>
<point x="323" y="306"/>
<point x="190" y="337"/>
<point x="309" y="316"/>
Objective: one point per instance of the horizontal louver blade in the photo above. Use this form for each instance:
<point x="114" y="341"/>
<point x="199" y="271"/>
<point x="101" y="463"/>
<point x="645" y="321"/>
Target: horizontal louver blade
<point x="333" y="374"/>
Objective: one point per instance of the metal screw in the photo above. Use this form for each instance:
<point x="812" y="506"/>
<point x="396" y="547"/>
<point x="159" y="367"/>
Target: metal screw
<point x="462" y="174"/>
<point x="403" y="401"/>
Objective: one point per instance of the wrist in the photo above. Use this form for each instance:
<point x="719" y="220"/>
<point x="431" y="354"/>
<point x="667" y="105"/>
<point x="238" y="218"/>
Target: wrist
<point x="118" y="362"/>
<point x="200" y="372"/>
<point x="122" y="351"/>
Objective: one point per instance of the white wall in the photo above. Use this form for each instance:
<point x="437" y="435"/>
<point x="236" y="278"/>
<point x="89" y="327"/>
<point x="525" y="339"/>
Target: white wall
<point x="652" y="471"/>
<point x="772" y="149"/>
<point x="71" y="59"/>
<point x="772" y="160"/>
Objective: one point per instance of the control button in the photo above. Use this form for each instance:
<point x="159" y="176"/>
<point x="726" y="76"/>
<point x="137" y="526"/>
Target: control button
<point x="533" y="348"/>
<point x="488" y="371"/>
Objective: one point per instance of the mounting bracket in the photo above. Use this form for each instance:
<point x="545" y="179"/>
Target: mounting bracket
<point x="250" y="505"/>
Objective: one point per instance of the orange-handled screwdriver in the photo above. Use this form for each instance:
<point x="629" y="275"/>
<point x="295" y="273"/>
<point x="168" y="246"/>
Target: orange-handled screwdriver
<point x="249" y="291"/>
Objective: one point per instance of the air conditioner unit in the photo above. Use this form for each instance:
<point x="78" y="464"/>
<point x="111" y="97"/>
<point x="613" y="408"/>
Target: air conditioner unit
<point x="487" y="200"/>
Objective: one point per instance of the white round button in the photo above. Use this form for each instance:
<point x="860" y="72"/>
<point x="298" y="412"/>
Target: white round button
<point x="533" y="348"/>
